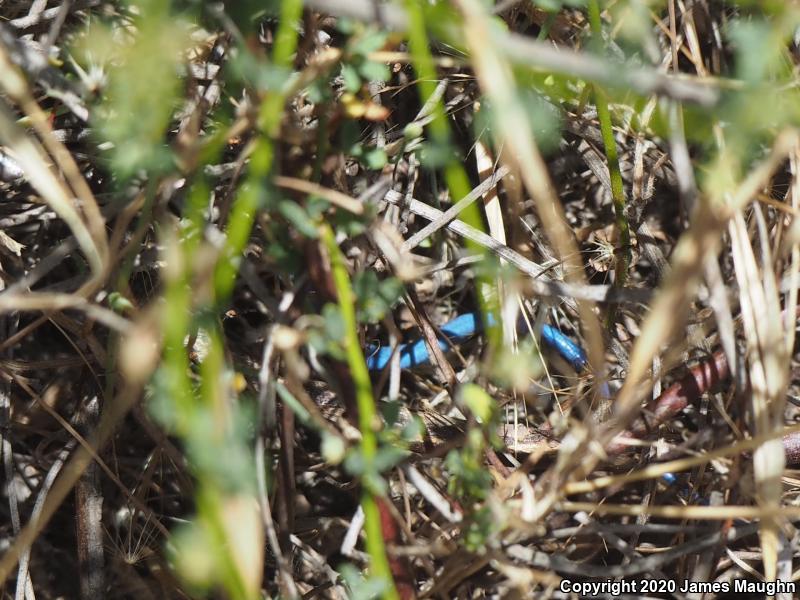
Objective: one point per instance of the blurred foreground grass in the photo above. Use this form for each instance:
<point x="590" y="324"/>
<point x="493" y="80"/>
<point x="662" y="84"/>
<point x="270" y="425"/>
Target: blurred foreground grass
<point x="226" y="191"/>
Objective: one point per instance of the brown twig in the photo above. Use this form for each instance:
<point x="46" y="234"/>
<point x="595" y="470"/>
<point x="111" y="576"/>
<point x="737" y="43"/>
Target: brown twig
<point x="89" y="515"/>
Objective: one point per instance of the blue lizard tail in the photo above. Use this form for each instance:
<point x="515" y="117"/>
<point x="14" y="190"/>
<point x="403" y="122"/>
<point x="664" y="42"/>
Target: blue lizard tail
<point x="463" y="326"/>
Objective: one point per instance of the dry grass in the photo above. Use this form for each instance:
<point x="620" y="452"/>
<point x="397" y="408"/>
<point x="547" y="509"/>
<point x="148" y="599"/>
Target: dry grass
<point x="211" y="213"/>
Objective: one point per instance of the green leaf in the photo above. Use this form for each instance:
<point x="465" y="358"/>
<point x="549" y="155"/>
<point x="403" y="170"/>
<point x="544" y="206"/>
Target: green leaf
<point x="375" y="297"/>
<point x="413" y="430"/>
<point x="264" y="76"/>
<point x="347" y="25"/>
<point x="352" y="80"/>
<point x="478" y="402"/>
<point x="543" y="115"/>
<point x="391" y="412"/>
<point x="374" y="71"/>
<point x="758" y="49"/>
<point x="227" y="463"/>
<point x="297" y="216"/>
<point x="371" y="40"/>
<point x="281" y="254"/>
<point x="316" y="206"/>
<point x="143" y="83"/>
<point x="328" y="338"/>
<point x="375" y="159"/>
<point x="468" y="478"/>
<point x="374" y="483"/>
<point x="354" y="463"/>
<point x="516" y="369"/>
<point x="480" y="529"/>
<point x="160" y="404"/>
<point x="389" y="456"/>
<point x="334" y="323"/>
<point x="348" y="223"/>
<point x="413" y="130"/>
<point x="333" y="448"/>
<point x="360" y="588"/>
<point x="319" y="91"/>
<point x="119" y="303"/>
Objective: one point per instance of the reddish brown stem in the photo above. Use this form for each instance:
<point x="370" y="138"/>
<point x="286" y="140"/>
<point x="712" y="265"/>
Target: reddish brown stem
<point x="403" y="581"/>
<point x="679" y="395"/>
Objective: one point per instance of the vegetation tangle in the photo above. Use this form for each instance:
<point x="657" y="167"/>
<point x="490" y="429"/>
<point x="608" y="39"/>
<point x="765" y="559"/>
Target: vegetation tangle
<point x="399" y="299"/>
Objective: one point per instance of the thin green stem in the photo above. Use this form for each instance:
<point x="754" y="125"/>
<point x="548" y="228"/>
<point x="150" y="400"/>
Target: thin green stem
<point x="547" y="26"/>
<point x="617" y="190"/>
<point x="455" y="175"/>
<point x="368" y="419"/>
<point x="615" y="174"/>
<point x="367" y="414"/>
<point x="595" y="21"/>
<point x="253" y="193"/>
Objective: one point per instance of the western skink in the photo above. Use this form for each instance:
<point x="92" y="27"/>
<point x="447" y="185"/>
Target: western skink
<point x="414" y="354"/>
